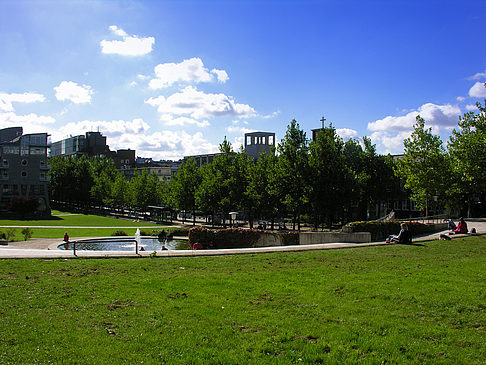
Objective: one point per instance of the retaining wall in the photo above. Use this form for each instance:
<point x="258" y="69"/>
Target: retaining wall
<point x="310" y="238"/>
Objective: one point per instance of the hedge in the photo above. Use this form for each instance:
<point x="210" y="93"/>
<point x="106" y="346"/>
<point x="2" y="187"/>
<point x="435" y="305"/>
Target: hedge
<point x="234" y="237"/>
<point x="381" y="230"/>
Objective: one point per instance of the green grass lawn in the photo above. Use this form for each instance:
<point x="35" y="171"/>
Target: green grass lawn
<point x="51" y="226"/>
<point x="389" y="304"/>
<point x="69" y="219"/>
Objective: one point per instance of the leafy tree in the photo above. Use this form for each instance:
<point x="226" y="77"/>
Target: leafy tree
<point x="120" y="191"/>
<point x="467" y="148"/>
<point x="330" y="177"/>
<point x="103" y="173"/>
<point x="261" y="192"/>
<point x="184" y="185"/>
<point x="292" y="169"/>
<point x="424" y="165"/>
<point x="143" y="190"/>
<point x="214" y="194"/>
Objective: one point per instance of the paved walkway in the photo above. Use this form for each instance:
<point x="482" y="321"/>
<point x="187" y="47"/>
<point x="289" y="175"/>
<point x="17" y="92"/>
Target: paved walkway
<point x="47" y="248"/>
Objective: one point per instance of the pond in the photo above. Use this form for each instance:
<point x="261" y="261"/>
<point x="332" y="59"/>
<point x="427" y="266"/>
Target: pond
<point x="126" y="244"/>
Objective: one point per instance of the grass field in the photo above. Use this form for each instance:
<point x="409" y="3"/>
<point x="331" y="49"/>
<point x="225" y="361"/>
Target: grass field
<point x="388" y="304"/>
<point x="69" y="219"/>
<point x="52" y="227"/>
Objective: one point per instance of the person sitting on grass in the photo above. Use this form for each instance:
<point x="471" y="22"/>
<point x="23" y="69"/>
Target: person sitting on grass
<point x="451" y="225"/>
<point x="403" y="237"/>
<point x="461" y="227"/>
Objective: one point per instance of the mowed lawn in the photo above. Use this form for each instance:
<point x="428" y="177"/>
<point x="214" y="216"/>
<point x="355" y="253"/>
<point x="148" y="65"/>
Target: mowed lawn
<point x="388" y="304"/>
<point x="52" y="227"/>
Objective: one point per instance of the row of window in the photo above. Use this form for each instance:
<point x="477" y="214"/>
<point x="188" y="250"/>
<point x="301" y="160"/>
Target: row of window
<point x="5" y="163"/>
<point x="24" y="151"/>
<point x="4" y="175"/>
<point x="15" y="189"/>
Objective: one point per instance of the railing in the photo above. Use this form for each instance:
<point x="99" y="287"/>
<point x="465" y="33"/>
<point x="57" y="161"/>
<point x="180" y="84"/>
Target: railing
<point x="84" y="241"/>
<point x="430" y="219"/>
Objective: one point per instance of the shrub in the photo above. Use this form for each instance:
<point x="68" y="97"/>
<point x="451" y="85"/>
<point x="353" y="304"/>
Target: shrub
<point x="27" y="233"/>
<point x="23" y="206"/>
<point x="10" y="234"/>
<point x="202" y="235"/>
<point x="181" y="232"/>
<point x="235" y="237"/>
<point x="290" y="238"/>
<point x="119" y="233"/>
<point x="145" y="233"/>
<point x="381" y="230"/>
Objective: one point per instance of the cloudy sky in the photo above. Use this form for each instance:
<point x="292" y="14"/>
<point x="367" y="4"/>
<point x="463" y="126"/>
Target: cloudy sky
<point x="173" y="78"/>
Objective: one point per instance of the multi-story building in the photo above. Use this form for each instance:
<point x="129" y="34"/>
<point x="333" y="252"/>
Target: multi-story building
<point x="23" y="167"/>
<point x="93" y="144"/>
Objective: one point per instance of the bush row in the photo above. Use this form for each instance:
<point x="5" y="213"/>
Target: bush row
<point x="235" y="237"/>
<point x="381" y="230"/>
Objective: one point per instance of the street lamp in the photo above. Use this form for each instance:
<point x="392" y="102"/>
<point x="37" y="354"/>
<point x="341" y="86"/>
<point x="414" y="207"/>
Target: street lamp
<point x="233" y="216"/>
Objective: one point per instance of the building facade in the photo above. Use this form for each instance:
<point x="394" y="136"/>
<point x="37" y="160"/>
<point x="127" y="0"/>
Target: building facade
<point x="23" y="168"/>
<point x="257" y="142"/>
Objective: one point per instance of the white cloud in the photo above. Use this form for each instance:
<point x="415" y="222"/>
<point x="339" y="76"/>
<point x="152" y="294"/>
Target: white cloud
<point x="471" y="107"/>
<point x="30" y="122"/>
<point x="191" y="70"/>
<point x="183" y="121"/>
<point x="6" y="100"/>
<point x="131" y="45"/>
<point x="346" y="133"/>
<point x="388" y="142"/>
<point x="78" y="94"/>
<point x="114" y="128"/>
<point x="273" y="115"/>
<point x="221" y="75"/>
<point x="239" y="130"/>
<point x="460" y="98"/>
<point x="478" y="76"/>
<point x="198" y="104"/>
<point x="434" y="115"/>
<point x="478" y="90"/>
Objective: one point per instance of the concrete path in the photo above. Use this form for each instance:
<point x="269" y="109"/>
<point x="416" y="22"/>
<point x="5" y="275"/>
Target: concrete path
<point x="47" y="248"/>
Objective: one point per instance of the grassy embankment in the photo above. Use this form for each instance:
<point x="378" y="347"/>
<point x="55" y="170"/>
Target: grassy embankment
<point x="389" y="304"/>
<point x="51" y="227"/>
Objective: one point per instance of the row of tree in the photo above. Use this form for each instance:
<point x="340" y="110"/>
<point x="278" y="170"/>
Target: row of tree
<point x="323" y="181"/>
<point x="457" y="175"/>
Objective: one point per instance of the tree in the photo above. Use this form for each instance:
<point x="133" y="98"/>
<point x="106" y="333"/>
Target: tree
<point x="330" y="182"/>
<point x="424" y="165"/>
<point x="214" y="194"/>
<point x="261" y="192"/>
<point x="467" y="148"/>
<point x="184" y="185"/>
<point x="292" y="169"/>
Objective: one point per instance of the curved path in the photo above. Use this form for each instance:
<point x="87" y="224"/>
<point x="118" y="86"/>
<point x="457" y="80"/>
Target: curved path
<point x="47" y="248"/>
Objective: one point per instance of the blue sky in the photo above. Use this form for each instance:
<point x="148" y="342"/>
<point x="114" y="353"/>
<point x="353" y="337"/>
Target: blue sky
<point x="173" y="78"/>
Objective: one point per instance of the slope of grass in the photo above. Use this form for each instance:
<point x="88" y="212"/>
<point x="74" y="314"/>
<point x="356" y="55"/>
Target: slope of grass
<point x="388" y="304"/>
<point x="82" y="220"/>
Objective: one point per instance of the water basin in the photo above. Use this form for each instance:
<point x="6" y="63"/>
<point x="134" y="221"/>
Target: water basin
<point x="126" y="244"/>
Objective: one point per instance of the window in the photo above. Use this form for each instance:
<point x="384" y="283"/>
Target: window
<point x="248" y="140"/>
<point x="11" y="150"/>
<point x="5" y="162"/>
<point x="43" y="176"/>
<point x="270" y="140"/>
